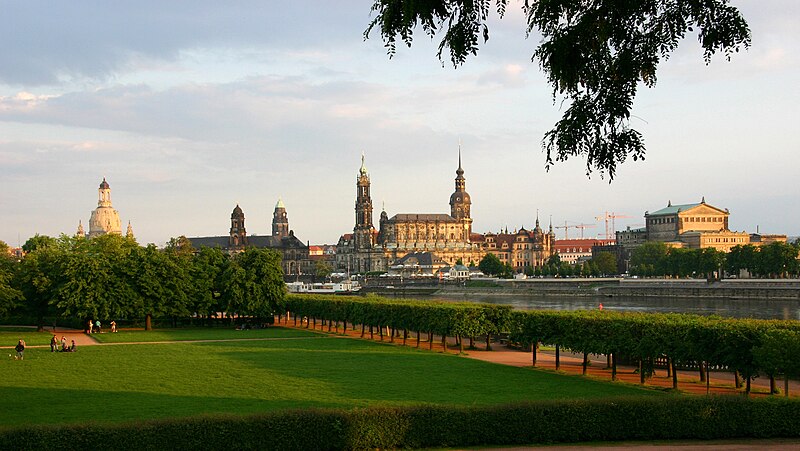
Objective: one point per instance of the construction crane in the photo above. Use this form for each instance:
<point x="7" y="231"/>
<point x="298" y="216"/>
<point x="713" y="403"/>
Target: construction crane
<point x="611" y="216"/>
<point x="566" y="228"/>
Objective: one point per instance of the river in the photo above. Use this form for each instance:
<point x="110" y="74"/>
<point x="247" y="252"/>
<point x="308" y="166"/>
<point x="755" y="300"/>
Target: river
<point x="736" y="308"/>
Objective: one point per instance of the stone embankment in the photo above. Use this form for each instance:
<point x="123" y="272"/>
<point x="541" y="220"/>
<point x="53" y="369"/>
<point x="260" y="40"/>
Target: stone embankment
<point x="785" y="289"/>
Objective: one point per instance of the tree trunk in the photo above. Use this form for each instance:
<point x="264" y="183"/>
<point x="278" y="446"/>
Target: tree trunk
<point x="295" y="319"/>
<point x="674" y="374"/>
<point x="418" y="338"/>
<point x="362" y="330"/>
<point x="329" y="325"/>
<point x="337" y="326"/>
<point x="371" y="333"/>
<point x="148" y="322"/>
<point x="405" y="336"/>
<point x="444" y="343"/>
<point x="558" y="356"/>
<point x="430" y="341"/>
<point x="702" y="372"/>
<point x="641" y="371"/>
<point x="772" y="388"/>
<point x="585" y="362"/>
<point x="472" y="342"/>
<point x="488" y="342"/>
<point x="391" y="339"/>
<point x="747" y="385"/>
<point x="534" y="348"/>
<point x="608" y="360"/>
<point x="344" y="327"/>
<point x="669" y="367"/>
<point x="737" y="379"/>
<point x="614" y="366"/>
<point x="380" y="331"/>
<point x="460" y="345"/>
<point x="315" y="323"/>
<point x="786" y="385"/>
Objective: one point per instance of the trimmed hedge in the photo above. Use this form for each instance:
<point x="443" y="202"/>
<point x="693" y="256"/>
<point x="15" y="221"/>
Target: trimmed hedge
<point x="693" y="418"/>
<point x="750" y="346"/>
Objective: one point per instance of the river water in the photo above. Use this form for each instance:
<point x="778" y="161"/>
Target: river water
<point x="736" y="308"/>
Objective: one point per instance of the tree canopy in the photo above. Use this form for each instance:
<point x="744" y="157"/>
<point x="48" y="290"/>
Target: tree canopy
<point x="594" y="54"/>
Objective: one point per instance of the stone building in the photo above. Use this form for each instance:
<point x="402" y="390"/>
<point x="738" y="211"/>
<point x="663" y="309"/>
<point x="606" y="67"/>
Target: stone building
<point x="104" y="219"/>
<point x="693" y="226"/>
<point x="294" y="253"/>
<point x="521" y="248"/>
<point x="446" y="237"/>
<point x="578" y="250"/>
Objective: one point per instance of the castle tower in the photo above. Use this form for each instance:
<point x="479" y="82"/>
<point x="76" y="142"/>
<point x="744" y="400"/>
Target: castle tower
<point x="129" y="232"/>
<point x="104" y="219"/>
<point x="460" y="201"/>
<point x="80" y="233"/>
<point x="363" y="232"/>
<point x="280" y="222"/>
<point x="238" y="234"/>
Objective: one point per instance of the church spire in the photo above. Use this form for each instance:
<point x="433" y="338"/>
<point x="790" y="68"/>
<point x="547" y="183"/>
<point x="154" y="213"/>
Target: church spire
<point x="80" y="233"/>
<point x="363" y="170"/>
<point x="129" y="232"/>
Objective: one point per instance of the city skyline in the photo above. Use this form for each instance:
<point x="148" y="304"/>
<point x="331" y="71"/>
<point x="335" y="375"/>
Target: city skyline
<point x="192" y="110"/>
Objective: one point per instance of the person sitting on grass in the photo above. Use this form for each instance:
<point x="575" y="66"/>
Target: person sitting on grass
<point x="72" y="347"/>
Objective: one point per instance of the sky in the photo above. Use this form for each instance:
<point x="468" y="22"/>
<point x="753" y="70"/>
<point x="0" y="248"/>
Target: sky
<point x="188" y="108"/>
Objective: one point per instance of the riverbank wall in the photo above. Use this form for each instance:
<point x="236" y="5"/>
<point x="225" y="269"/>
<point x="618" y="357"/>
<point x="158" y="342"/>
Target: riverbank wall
<point x="653" y="288"/>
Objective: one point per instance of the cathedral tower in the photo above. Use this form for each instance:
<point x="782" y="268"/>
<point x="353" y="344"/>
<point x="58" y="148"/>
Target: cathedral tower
<point x="280" y="222"/>
<point x="238" y="234"/>
<point x="104" y="219"/>
<point x="363" y="232"/>
<point x="460" y="201"/>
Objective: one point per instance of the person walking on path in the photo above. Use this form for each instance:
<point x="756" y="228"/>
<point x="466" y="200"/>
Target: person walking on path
<point x="98" y="326"/>
<point x="53" y="344"/>
<point x="20" y="348"/>
<point x="113" y="326"/>
<point x="89" y="328"/>
<point x="63" y="343"/>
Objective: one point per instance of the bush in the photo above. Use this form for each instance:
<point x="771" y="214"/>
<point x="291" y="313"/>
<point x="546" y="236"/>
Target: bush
<point x="664" y="418"/>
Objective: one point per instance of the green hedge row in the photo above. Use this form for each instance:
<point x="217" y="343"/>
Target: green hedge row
<point x="749" y="346"/>
<point x="663" y="418"/>
<point x="440" y="318"/>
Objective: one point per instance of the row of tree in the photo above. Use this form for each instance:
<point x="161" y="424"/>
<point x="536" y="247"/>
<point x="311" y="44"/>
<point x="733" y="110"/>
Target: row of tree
<point x="773" y="260"/>
<point x="112" y="277"/>
<point x="603" y="264"/>
<point x="748" y="346"/>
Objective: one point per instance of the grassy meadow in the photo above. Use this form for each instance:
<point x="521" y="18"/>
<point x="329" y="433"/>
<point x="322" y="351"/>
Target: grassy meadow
<point x="294" y="369"/>
<point x="10" y="335"/>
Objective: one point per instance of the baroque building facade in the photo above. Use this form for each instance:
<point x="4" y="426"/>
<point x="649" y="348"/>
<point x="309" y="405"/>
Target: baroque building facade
<point x="447" y="237"/>
<point x="294" y="253"/>
<point x="104" y="219"/>
<point x="694" y="226"/>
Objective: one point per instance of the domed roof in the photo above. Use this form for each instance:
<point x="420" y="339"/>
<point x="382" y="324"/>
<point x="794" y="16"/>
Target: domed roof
<point x="237" y="211"/>
<point x="104" y="184"/>
<point x="460" y="197"/>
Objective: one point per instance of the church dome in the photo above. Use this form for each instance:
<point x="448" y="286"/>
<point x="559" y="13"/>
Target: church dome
<point x="460" y="197"/>
<point x="237" y="211"/>
<point x="104" y="184"/>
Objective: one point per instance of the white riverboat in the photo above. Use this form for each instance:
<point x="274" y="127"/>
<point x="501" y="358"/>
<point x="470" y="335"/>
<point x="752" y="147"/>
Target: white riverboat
<point x="343" y="287"/>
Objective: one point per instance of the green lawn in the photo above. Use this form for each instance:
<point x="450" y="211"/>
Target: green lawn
<point x="199" y="333"/>
<point x="136" y="381"/>
<point x="9" y="336"/>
